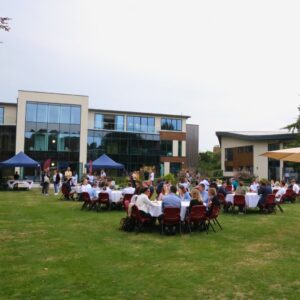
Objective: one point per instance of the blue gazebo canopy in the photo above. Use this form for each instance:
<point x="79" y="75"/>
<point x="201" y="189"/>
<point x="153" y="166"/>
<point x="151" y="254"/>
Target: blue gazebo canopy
<point x="105" y="162"/>
<point x="19" y="160"/>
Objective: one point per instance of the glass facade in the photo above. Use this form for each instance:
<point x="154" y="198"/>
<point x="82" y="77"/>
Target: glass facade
<point x="171" y="124"/>
<point x="134" y="150"/>
<point x="53" y="131"/>
<point x="166" y="148"/>
<point x="140" y="124"/>
<point x="7" y="141"/>
<point x="109" y="122"/>
<point x="1" y="115"/>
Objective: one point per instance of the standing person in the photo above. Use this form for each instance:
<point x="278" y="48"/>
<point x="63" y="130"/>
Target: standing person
<point x="56" y="182"/>
<point x="68" y="174"/>
<point x="45" y="182"/>
<point x="151" y="177"/>
<point x="103" y="174"/>
<point x="16" y="176"/>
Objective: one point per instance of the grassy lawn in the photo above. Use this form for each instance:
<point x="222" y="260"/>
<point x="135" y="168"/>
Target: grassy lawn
<point x="51" y="249"/>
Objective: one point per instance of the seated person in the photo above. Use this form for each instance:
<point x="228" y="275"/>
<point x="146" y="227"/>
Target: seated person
<point x="213" y="200"/>
<point x="254" y="186"/>
<point x="129" y="189"/>
<point x="85" y="185"/>
<point x="295" y="186"/>
<point x="264" y="190"/>
<point x="105" y="189"/>
<point x="281" y="191"/>
<point x="171" y="200"/>
<point x="68" y="187"/>
<point x="165" y="191"/>
<point x="241" y="189"/>
<point x="143" y="202"/>
<point x="204" y="194"/>
<point x="222" y="189"/>
<point x="184" y="195"/>
<point x="196" y="199"/>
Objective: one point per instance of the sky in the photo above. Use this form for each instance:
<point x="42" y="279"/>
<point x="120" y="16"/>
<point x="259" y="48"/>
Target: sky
<point x="231" y="65"/>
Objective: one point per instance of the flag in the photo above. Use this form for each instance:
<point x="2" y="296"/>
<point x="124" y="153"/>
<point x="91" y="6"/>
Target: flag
<point x="91" y="167"/>
<point x="47" y="164"/>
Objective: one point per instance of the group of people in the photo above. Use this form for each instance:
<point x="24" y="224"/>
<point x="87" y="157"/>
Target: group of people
<point x="69" y="177"/>
<point x="173" y="195"/>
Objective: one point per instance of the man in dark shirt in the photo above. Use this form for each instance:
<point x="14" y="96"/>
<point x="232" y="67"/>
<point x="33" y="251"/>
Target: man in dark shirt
<point x="263" y="190"/>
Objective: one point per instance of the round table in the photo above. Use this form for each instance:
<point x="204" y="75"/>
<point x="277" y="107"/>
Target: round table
<point x="250" y="198"/>
<point x="156" y="210"/>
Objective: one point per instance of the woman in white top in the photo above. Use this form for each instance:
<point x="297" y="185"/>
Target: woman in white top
<point x="281" y="191"/>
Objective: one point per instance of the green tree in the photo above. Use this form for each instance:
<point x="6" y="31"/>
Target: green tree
<point x="209" y="164"/>
<point x="292" y="128"/>
<point x="4" y="23"/>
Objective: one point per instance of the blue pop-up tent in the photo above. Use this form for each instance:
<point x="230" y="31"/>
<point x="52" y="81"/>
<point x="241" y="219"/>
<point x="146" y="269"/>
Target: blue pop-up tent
<point x="105" y="162"/>
<point x="19" y="160"/>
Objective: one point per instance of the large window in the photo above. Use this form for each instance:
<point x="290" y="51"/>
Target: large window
<point x="229" y="154"/>
<point x="179" y="148"/>
<point x="1" y="115"/>
<point x="140" y="124"/>
<point x="166" y="148"/>
<point x="171" y="124"/>
<point x="52" y="127"/>
<point x="53" y="113"/>
<point x="109" y="122"/>
<point x="134" y="150"/>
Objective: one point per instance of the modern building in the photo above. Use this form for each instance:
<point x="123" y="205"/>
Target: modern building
<point x="63" y="128"/>
<point x="241" y="151"/>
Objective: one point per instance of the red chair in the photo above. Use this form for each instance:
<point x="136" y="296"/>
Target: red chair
<point x="126" y="206"/>
<point x="87" y="202"/>
<point x="289" y="195"/>
<point x="270" y="204"/>
<point x="170" y="217"/>
<point x="213" y="216"/>
<point x="240" y="202"/>
<point x="127" y="197"/>
<point x="103" y="199"/>
<point x="65" y="193"/>
<point x="140" y="221"/>
<point x="229" y="188"/>
<point x="223" y="202"/>
<point x="197" y="217"/>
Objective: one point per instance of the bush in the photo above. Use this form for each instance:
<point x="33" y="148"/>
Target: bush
<point x="171" y="178"/>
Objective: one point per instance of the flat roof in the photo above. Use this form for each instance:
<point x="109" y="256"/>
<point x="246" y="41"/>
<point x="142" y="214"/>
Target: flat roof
<point x="137" y="113"/>
<point x="55" y="93"/>
<point x="8" y="103"/>
<point x="120" y="112"/>
<point x="256" y="135"/>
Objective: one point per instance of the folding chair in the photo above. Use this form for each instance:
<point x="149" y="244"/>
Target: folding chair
<point x="170" y="217"/>
<point x="140" y="220"/>
<point x="87" y="202"/>
<point x="103" y="199"/>
<point x="271" y="204"/>
<point x="197" y="217"/>
<point x="213" y="216"/>
<point x="240" y="202"/>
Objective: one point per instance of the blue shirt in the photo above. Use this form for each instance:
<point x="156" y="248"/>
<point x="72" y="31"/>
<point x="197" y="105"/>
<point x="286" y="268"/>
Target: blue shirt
<point x="204" y="196"/>
<point x="171" y="200"/>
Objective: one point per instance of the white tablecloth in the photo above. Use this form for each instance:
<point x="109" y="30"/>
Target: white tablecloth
<point x="250" y="198"/>
<point x="21" y="183"/>
<point x="156" y="211"/>
<point x="116" y="196"/>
